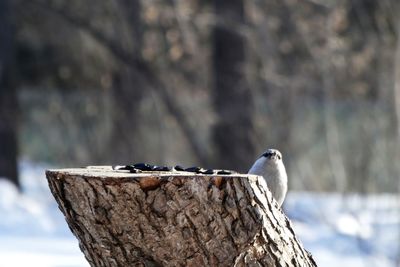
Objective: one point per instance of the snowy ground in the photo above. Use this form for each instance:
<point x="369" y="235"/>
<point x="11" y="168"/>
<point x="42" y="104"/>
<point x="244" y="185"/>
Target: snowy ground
<point x="347" y="231"/>
<point x="339" y="231"/>
<point x="33" y="231"/>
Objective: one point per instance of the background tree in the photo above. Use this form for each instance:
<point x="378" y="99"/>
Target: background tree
<point x="8" y="96"/>
<point x="300" y="69"/>
<point x="233" y="134"/>
<point x="127" y="84"/>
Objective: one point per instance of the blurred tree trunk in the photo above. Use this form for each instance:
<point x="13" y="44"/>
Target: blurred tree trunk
<point x="8" y="97"/>
<point x="128" y="90"/>
<point x="127" y="94"/>
<point x="233" y="134"/>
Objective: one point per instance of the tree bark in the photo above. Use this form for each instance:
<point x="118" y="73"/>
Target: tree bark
<point x="8" y="97"/>
<point x="175" y="219"/>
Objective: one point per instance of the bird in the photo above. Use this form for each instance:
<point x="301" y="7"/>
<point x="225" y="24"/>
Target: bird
<point x="270" y="166"/>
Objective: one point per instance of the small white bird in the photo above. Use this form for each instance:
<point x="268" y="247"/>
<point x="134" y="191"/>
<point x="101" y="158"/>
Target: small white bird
<point x="270" y="166"/>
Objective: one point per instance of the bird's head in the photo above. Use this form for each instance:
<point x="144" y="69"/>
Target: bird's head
<point x="272" y="154"/>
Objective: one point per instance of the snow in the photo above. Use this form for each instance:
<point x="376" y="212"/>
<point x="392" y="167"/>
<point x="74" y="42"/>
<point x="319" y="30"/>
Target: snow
<point x="33" y="231"/>
<point x="36" y="251"/>
<point x="338" y="230"/>
<point x="347" y="231"/>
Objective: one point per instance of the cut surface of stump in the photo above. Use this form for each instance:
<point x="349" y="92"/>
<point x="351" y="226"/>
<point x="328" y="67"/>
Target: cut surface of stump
<point x="175" y="219"/>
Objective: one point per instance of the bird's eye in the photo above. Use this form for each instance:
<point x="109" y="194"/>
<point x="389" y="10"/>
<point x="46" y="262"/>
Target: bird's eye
<point x="266" y="154"/>
<point x="279" y="156"/>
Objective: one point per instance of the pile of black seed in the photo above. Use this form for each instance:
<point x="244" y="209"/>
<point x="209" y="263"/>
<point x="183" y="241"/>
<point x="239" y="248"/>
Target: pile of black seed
<point x="144" y="167"/>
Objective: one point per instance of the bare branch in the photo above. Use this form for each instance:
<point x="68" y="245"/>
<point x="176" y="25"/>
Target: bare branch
<point x="141" y="67"/>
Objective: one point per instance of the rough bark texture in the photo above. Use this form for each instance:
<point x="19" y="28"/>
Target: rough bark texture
<point x="175" y="219"/>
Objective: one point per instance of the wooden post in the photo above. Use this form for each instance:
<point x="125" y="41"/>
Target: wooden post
<point x="175" y="219"/>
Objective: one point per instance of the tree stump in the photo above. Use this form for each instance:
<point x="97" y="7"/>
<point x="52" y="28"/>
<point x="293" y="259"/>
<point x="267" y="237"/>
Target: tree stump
<point x="175" y="219"/>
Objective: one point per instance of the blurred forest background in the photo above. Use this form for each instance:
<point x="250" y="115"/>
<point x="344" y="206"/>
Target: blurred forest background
<point x="208" y="83"/>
